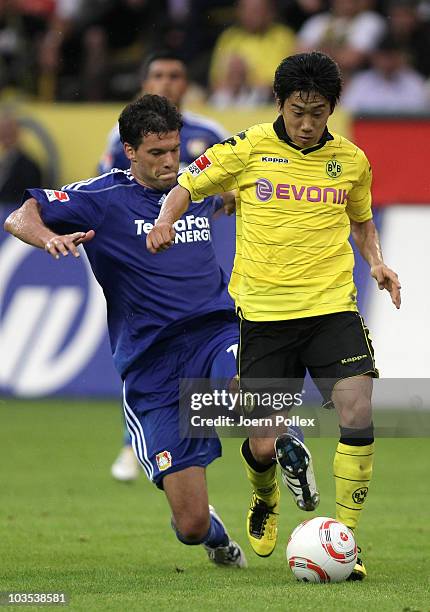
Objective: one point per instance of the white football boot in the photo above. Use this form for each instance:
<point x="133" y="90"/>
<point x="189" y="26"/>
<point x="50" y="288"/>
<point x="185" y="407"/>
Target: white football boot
<point x="295" y="461"/>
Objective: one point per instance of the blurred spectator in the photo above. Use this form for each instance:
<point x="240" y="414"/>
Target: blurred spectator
<point x="389" y="86"/>
<point x="207" y="19"/>
<point x="348" y="33"/>
<point x="258" y="40"/>
<point x="17" y="170"/>
<point x="236" y="90"/>
<point x="296" y="12"/>
<point x="23" y="25"/>
<point x="9" y="45"/>
<point x="165" y="74"/>
<point x="411" y="32"/>
<point x="91" y="49"/>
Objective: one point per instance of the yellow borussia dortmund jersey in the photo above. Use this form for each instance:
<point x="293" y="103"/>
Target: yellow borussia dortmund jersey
<point x="293" y="258"/>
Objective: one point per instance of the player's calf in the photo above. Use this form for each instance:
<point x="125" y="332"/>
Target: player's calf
<point x="262" y="516"/>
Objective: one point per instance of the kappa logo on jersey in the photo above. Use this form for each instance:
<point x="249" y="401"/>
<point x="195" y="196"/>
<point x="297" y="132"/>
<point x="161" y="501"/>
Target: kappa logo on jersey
<point x="285" y="191"/>
<point x="53" y="195"/>
<point x="188" y="229"/>
<point x="274" y="160"/>
<point x="164" y="460"/>
<point x="200" y="165"/>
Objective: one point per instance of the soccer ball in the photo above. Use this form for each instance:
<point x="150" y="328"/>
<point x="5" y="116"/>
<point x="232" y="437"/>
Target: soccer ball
<point x="321" y="550"/>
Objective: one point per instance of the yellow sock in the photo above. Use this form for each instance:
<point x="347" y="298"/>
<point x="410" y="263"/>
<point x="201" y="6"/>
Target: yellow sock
<point x="265" y="484"/>
<point x="352" y="468"/>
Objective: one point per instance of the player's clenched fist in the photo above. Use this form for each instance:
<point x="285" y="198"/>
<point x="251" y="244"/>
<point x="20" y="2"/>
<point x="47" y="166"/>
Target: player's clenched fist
<point x="160" y="238"/>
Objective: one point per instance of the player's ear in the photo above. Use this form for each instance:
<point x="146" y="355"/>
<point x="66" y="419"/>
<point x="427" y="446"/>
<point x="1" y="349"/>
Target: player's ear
<point x="129" y="151"/>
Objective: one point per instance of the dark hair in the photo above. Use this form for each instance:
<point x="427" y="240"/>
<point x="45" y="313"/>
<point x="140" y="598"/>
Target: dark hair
<point x="163" y="55"/>
<point x="308" y="72"/>
<point x="148" y="115"/>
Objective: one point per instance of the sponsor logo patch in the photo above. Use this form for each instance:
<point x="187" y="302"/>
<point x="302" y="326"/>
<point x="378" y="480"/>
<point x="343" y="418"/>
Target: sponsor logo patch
<point x="60" y="196"/>
<point x="263" y="190"/>
<point x="199" y="165"/>
<point x="164" y="460"/>
<point x="188" y="229"/>
<point x="286" y="191"/>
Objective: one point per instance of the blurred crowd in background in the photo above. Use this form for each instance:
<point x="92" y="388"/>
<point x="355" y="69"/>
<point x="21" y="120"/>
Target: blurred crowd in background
<point x="98" y="50"/>
<point x="80" y="50"/>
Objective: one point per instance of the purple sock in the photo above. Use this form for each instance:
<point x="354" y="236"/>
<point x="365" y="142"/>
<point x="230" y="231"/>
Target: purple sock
<point x="216" y="536"/>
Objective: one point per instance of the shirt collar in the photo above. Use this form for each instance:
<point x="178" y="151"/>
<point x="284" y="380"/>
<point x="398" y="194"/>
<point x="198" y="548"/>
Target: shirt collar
<point x="281" y="133"/>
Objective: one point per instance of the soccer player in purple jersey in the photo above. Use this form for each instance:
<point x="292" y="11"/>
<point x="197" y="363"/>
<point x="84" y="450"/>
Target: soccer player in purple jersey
<point x="155" y="340"/>
<point x="163" y="74"/>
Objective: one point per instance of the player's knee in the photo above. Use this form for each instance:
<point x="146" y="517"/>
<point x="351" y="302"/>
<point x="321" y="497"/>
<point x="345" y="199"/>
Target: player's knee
<point x="262" y="449"/>
<point x="193" y="528"/>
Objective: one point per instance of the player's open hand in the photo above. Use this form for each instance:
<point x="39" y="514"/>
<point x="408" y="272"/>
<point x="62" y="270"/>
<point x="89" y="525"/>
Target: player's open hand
<point x="160" y="238"/>
<point x="387" y="279"/>
<point x="67" y="244"/>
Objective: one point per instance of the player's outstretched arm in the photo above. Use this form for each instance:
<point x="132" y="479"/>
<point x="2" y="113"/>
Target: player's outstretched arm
<point x="162" y="235"/>
<point x="26" y="224"/>
<point x="367" y="240"/>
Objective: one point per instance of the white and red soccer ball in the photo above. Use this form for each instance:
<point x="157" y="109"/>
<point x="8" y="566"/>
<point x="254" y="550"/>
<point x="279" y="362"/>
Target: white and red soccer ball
<point x="321" y="550"/>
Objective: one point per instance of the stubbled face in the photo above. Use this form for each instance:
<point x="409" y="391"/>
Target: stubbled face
<point x="166" y="78"/>
<point x="155" y="163"/>
<point x="305" y="116"/>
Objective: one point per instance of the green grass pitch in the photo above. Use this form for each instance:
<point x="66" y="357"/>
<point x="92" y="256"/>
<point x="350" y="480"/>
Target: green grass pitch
<point x="67" y="526"/>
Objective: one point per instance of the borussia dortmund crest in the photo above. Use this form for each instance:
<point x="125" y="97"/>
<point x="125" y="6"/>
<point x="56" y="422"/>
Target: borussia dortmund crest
<point x="333" y="168"/>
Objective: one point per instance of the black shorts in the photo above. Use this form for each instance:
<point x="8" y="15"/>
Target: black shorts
<point x="330" y="347"/>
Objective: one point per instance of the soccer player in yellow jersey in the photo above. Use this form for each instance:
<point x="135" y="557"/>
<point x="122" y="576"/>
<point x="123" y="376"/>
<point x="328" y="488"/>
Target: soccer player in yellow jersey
<point x="301" y="192"/>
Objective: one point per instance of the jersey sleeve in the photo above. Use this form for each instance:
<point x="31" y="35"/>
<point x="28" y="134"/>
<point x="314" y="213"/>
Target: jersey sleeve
<point x="359" y="206"/>
<point x="68" y="210"/>
<point x="218" y="169"/>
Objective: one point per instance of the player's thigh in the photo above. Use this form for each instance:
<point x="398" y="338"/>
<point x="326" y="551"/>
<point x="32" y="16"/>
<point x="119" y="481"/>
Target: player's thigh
<point x="186" y="492"/>
<point x="159" y="436"/>
<point x="340" y="349"/>
<point x="268" y="365"/>
<point x="268" y="350"/>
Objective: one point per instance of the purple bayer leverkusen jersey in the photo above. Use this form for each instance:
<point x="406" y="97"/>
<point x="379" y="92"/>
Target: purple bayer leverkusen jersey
<point x="148" y="296"/>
